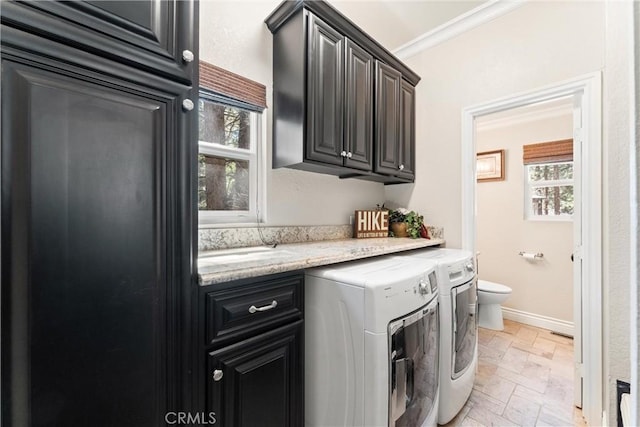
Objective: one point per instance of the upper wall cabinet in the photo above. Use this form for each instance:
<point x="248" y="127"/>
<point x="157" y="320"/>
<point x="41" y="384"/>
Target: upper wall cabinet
<point x="328" y="81"/>
<point x="395" y="120"/>
<point x="155" y="36"/>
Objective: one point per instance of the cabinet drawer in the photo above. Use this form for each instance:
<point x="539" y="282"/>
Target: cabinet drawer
<point x="252" y="307"/>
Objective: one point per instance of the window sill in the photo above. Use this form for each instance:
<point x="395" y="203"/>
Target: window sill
<point x="550" y="219"/>
<point x="209" y="225"/>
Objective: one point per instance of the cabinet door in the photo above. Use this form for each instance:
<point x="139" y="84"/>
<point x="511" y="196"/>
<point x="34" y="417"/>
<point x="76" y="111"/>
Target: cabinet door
<point x="359" y="108"/>
<point x="89" y="249"/>
<point x="259" y="382"/>
<point x="325" y="93"/>
<point x="148" y="34"/>
<point x="387" y="119"/>
<point x="407" y="131"/>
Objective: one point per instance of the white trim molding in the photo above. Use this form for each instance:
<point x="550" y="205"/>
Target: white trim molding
<point x="475" y="17"/>
<point x="531" y="116"/>
<point x="588" y="90"/>
<point x="538" y="320"/>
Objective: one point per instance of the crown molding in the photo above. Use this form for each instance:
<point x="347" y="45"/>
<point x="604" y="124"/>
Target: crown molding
<point x="475" y="17"/>
<point x="532" y="116"/>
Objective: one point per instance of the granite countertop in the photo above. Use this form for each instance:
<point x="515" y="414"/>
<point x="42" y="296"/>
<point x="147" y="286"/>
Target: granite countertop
<point x="219" y="266"/>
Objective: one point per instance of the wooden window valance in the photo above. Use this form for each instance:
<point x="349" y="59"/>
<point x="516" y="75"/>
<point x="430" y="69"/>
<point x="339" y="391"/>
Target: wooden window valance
<point x="232" y="85"/>
<point x="548" y="152"/>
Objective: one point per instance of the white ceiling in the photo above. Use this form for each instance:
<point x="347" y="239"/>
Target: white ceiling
<point x="395" y="22"/>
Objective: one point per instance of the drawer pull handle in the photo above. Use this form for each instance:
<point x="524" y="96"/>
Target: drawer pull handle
<point x="254" y="309"/>
<point x="217" y="375"/>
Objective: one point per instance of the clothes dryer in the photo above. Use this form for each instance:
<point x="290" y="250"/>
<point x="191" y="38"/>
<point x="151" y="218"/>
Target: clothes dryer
<point x="372" y="344"/>
<point x="457" y="283"/>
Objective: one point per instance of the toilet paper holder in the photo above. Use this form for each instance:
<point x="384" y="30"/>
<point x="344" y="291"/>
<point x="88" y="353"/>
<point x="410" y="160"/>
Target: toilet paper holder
<point x="529" y="255"/>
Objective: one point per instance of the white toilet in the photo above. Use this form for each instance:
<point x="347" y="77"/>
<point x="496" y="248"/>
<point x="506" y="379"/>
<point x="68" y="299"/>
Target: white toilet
<point x="490" y="296"/>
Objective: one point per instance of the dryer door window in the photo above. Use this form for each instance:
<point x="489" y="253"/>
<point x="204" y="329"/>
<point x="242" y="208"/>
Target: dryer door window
<point x="465" y="327"/>
<point x="413" y="363"/>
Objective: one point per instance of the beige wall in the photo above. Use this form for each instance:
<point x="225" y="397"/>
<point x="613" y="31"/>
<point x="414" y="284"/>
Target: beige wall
<point x="529" y="48"/>
<point x="617" y="151"/>
<point x="542" y="287"/>
<point x="635" y="224"/>
<point x="233" y="36"/>
<point x="508" y="55"/>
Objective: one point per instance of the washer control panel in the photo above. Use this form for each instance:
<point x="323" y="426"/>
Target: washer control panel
<point x="462" y="271"/>
<point x="427" y="285"/>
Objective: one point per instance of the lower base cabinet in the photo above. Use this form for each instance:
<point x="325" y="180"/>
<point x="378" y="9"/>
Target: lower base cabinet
<point x="258" y="382"/>
<point x="252" y="352"/>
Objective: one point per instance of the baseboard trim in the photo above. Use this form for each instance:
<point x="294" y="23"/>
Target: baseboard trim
<point x="538" y="320"/>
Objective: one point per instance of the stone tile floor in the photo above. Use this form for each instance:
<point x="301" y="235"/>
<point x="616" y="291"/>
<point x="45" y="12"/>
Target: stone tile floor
<point x="524" y="378"/>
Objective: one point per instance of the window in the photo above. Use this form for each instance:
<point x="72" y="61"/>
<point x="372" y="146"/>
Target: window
<point x="230" y="123"/>
<point x="548" y="172"/>
<point x="549" y="192"/>
<point x="227" y="162"/>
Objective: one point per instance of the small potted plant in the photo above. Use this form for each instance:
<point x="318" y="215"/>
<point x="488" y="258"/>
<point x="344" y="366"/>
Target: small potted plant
<point x="406" y="223"/>
<point x="397" y="222"/>
<point x="415" y="224"/>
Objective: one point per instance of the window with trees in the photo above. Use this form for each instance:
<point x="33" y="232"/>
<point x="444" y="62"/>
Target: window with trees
<point x="230" y="133"/>
<point x="549" y="180"/>
<point x="550" y="190"/>
<point x="227" y="162"/>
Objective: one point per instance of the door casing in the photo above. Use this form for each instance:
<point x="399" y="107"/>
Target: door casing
<point x="587" y="91"/>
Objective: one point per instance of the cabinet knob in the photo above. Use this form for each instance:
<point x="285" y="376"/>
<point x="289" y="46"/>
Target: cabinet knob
<point x="187" y="105"/>
<point x="217" y="375"/>
<point x="187" y="56"/>
<point x="401" y="167"/>
<point x="349" y="155"/>
<point x="343" y="154"/>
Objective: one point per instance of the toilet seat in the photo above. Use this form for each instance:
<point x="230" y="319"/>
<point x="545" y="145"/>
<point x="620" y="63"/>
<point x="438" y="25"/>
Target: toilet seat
<point x="496" y="288"/>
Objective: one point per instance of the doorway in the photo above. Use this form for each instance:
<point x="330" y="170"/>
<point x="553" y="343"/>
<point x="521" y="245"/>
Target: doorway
<point x="586" y="94"/>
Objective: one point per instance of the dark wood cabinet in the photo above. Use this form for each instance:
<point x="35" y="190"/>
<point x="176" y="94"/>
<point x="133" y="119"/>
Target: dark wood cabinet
<point x="407" y="142"/>
<point x="359" y="107"/>
<point x="252" y="370"/>
<point x="155" y="36"/>
<point x="325" y="93"/>
<point x="339" y="99"/>
<point x="88" y="265"/>
<point x="324" y="89"/>
<point x="98" y="231"/>
<point x="395" y="120"/>
<point x="388" y="81"/>
<point x="258" y="382"/>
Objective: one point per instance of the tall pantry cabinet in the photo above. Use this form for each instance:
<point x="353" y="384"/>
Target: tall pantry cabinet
<point x="97" y="221"/>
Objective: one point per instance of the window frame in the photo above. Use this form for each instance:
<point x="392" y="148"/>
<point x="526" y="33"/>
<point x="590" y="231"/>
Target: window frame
<point x="212" y="218"/>
<point x="529" y="186"/>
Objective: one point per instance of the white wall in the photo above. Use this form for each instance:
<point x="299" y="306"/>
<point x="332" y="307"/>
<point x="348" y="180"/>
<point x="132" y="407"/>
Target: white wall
<point x="233" y="36"/>
<point x="617" y="152"/>
<point x="635" y="226"/>
<point x="542" y="287"/>
<point x="538" y="44"/>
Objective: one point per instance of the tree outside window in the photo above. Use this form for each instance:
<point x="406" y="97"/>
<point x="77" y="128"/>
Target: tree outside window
<point x="550" y="190"/>
<point x="227" y="171"/>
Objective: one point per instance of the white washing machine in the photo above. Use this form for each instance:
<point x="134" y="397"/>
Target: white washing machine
<point x="457" y="282"/>
<point x="372" y="344"/>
